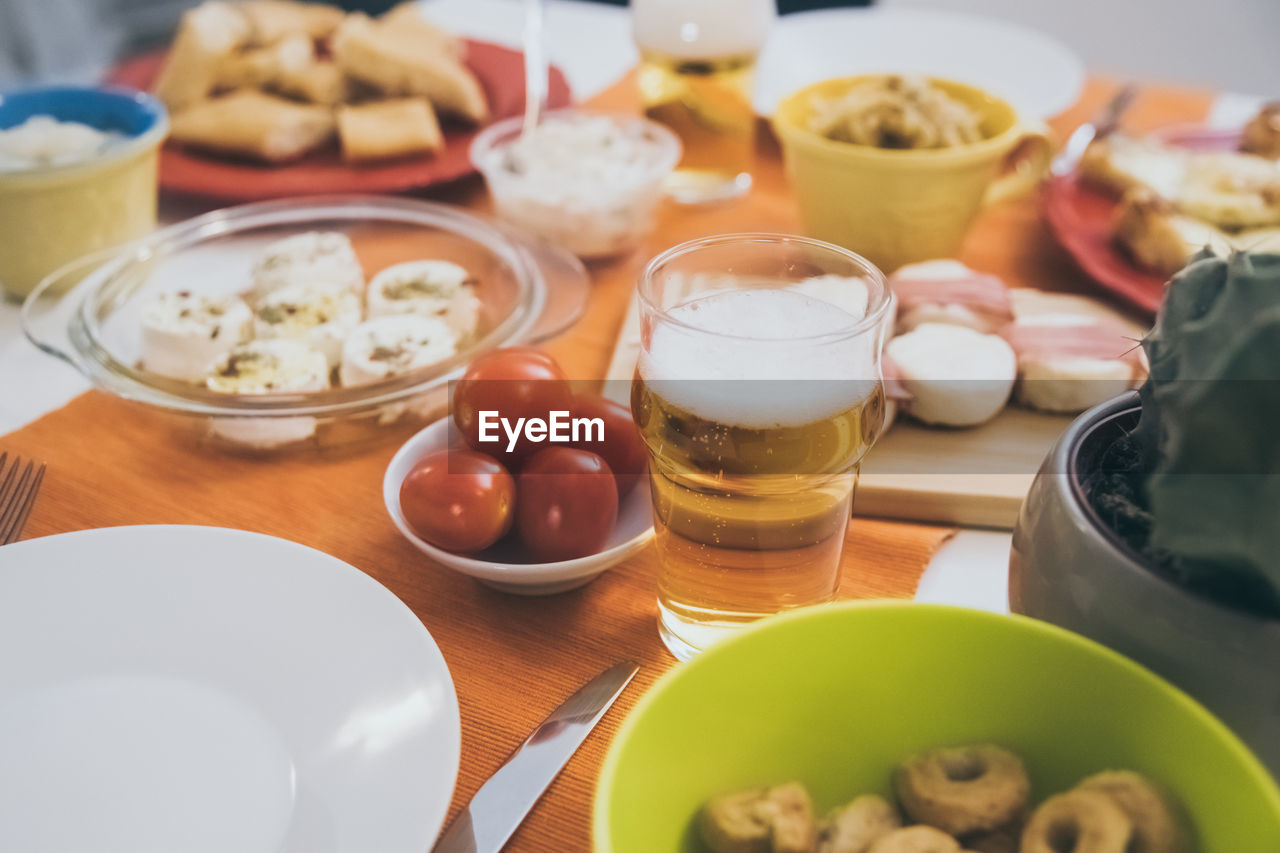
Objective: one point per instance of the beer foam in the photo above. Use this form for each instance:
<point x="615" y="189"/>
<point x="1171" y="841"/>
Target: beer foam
<point x="747" y="358"/>
<point x="701" y="29"/>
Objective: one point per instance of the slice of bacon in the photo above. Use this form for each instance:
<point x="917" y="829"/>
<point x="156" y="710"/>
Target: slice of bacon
<point x="1091" y="338"/>
<point x="985" y="295"/>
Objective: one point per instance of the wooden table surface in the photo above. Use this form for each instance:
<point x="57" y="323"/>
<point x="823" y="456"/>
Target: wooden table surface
<point x="513" y="659"/>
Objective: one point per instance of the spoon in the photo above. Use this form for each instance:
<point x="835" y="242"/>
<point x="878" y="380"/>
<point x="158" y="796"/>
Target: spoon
<point x="535" y="64"/>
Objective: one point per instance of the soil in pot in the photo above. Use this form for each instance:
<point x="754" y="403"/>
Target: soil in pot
<point x="1109" y="474"/>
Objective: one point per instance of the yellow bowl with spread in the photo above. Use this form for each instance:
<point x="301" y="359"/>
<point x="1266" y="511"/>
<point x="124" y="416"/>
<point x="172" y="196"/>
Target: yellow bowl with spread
<point x="52" y="214"/>
<point x="897" y="206"/>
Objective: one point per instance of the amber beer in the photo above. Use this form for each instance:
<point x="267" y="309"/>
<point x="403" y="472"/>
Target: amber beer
<point x="697" y="64"/>
<point x="708" y="105"/>
<point x="757" y="406"/>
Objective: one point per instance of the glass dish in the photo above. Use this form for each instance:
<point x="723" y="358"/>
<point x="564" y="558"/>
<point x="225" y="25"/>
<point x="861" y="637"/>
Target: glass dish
<point x="528" y="291"/>
<point x="591" y="211"/>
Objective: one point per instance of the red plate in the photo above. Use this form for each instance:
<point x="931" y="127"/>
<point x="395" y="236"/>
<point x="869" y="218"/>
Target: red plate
<point x="501" y="74"/>
<point x="1081" y="219"/>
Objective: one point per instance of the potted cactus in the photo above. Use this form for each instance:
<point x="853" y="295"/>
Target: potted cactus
<point x="1154" y="523"/>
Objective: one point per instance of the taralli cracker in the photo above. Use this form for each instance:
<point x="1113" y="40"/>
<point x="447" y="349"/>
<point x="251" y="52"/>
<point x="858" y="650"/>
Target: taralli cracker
<point x="385" y="129"/>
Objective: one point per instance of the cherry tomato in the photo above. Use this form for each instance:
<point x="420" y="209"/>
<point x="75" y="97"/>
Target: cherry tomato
<point x="515" y="383"/>
<point x="568" y="504"/>
<point x="459" y="500"/>
<point x="622" y="449"/>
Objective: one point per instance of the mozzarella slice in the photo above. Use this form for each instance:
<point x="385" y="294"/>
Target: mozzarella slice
<point x="268" y="367"/>
<point x="311" y="258"/>
<point x="427" y="288"/>
<point x="184" y="333"/>
<point x="389" y="346"/>
<point x="320" y="316"/>
<point x="947" y="291"/>
<point x="1072" y="362"/>
<point x="955" y="375"/>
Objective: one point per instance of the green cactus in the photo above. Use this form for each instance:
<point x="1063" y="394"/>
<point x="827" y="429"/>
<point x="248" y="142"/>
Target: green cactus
<point x="1209" y="434"/>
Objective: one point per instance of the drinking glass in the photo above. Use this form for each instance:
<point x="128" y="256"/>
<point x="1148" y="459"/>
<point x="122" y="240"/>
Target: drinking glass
<point x="757" y="392"/>
<point x="697" y="66"/>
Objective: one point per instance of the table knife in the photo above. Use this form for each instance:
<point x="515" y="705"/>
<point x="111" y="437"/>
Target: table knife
<point x="507" y="796"/>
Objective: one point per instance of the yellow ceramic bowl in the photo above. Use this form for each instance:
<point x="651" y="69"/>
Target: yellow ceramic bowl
<point x="899" y="206"/>
<point x="51" y="216"/>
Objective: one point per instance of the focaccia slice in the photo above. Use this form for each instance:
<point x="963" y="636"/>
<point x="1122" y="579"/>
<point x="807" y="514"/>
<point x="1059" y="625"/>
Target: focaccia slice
<point x="1262" y="133"/>
<point x="254" y="125"/>
<point x="396" y="64"/>
<point x="1117" y="163"/>
<point x="320" y="82"/>
<point x="407" y="19"/>
<point x="207" y="35"/>
<point x="262" y="67"/>
<point x="1160" y="239"/>
<point x="1232" y="190"/>
<point x="272" y="20"/>
<point x="382" y="130"/>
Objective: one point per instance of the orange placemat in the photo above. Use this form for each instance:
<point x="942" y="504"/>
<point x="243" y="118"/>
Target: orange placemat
<point x="513" y="659"/>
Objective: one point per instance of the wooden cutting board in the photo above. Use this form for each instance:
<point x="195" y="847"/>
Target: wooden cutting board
<point x="974" y="477"/>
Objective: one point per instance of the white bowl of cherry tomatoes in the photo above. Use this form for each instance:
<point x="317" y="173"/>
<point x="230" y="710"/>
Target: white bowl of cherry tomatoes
<point x="527" y="513"/>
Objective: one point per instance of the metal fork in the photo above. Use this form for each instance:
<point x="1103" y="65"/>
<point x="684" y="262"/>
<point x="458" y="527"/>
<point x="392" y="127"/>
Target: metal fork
<point x="18" y="487"/>
<point x="1106" y="121"/>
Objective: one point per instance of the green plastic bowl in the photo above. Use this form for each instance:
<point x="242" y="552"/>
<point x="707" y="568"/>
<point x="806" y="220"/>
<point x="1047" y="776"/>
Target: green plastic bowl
<point x="835" y="696"/>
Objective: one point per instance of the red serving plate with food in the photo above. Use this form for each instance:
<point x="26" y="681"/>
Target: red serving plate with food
<point x="1081" y="219"/>
<point x="500" y="71"/>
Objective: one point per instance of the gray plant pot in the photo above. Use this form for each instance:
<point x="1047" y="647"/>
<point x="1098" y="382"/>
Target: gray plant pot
<point x="1070" y="569"/>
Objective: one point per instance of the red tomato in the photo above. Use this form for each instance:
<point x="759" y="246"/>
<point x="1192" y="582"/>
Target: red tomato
<point x="622" y="449"/>
<point x="568" y="504"/>
<point x="516" y="383"/>
<point x="459" y="500"/>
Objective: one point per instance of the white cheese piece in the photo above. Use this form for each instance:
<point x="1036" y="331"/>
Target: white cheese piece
<point x="310" y="258"/>
<point x="389" y="346"/>
<point x="320" y="316"/>
<point x="1070" y="385"/>
<point x="1073" y="362"/>
<point x="955" y="375"/>
<point x="184" y="333"/>
<point x="268" y="367"/>
<point x="427" y="288"/>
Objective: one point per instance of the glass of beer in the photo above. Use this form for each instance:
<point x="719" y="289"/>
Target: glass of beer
<point x="697" y="64"/>
<point x="757" y="392"/>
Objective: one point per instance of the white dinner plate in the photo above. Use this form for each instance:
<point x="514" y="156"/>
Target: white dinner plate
<point x="1039" y="75"/>
<point x="178" y="689"/>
